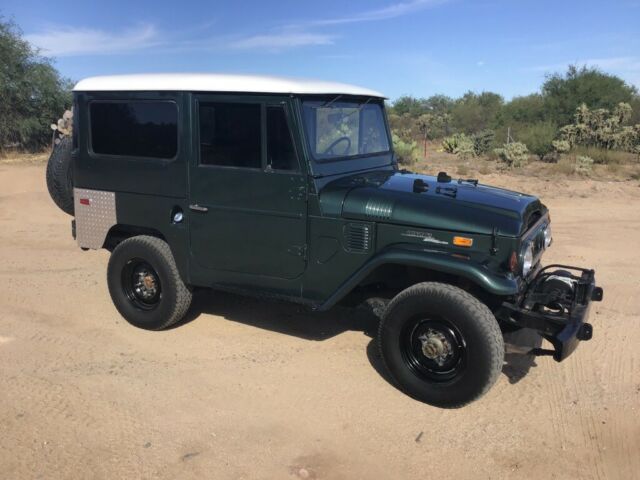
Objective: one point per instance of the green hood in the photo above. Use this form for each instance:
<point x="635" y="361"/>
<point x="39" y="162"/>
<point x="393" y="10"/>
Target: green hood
<point x="389" y="197"/>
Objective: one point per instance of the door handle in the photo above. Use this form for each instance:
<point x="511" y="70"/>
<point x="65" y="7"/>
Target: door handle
<point x="198" y="208"/>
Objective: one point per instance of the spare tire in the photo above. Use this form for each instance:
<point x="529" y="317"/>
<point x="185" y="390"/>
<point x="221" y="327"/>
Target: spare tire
<point x="60" y="176"/>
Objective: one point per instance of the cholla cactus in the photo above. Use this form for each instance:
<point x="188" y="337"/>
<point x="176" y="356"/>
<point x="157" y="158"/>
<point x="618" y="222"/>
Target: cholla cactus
<point x="514" y="154"/>
<point x="583" y="164"/>
<point x="459" y="144"/>
<point x="482" y="141"/>
<point x="404" y="150"/>
<point x="64" y="126"/>
<point x="450" y="143"/>
<point x="561" y="146"/>
<point x="602" y="128"/>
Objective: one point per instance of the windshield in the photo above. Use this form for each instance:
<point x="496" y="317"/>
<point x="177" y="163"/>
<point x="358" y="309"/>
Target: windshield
<point x="344" y="129"/>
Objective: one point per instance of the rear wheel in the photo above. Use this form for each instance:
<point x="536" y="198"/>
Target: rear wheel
<point x="441" y="345"/>
<point x="145" y="285"/>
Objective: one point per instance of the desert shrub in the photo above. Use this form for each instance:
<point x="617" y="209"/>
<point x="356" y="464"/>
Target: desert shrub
<point x="482" y="142"/>
<point x="514" y="154"/>
<point x="539" y="138"/>
<point x="405" y="150"/>
<point x="583" y="164"/>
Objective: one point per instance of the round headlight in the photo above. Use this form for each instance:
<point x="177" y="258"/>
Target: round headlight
<point x="547" y="236"/>
<point x="527" y="259"/>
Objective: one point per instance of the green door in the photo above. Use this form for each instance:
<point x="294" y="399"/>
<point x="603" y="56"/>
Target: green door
<point x="247" y="191"/>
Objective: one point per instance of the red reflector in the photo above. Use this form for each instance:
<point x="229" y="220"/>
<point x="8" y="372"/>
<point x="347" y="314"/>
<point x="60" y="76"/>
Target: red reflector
<point x="85" y="201"/>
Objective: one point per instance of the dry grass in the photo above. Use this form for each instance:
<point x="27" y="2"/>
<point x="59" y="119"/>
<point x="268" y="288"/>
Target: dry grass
<point x="13" y="157"/>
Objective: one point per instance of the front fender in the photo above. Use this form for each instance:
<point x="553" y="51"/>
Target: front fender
<point x="445" y="262"/>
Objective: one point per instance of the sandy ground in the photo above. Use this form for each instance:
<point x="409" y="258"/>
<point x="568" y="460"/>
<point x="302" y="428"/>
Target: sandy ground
<point x="250" y="389"/>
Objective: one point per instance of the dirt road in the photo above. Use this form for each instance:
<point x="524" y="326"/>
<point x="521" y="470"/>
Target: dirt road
<point x="250" y="389"/>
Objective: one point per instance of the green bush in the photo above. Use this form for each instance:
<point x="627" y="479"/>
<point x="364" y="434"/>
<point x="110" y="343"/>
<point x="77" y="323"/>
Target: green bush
<point x="539" y="138"/>
<point x="405" y="150"/>
<point x="514" y="154"/>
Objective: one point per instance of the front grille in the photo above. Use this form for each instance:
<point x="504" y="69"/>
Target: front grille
<point x="357" y="237"/>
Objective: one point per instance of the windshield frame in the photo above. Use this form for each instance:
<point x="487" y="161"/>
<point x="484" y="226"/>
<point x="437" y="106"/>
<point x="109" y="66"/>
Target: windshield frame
<point x="329" y="99"/>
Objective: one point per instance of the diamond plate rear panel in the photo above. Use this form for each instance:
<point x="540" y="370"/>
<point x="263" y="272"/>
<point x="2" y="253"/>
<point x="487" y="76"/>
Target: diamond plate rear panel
<point x="95" y="213"/>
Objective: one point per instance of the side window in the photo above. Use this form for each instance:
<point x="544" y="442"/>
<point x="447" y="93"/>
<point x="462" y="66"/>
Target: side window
<point x="135" y="128"/>
<point x="230" y="135"/>
<point x="281" y="154"/>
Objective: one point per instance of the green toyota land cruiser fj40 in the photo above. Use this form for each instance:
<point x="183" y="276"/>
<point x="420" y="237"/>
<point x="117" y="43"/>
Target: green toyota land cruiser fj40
<point x="290" y="188"/>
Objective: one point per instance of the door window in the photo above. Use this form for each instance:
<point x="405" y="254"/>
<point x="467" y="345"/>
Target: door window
<point x="230" y="135"/>
<point x="281" y="154"/>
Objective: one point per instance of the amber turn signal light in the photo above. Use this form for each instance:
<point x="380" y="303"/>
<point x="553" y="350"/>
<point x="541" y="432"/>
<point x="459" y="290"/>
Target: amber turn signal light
<point x="462" y="241"/>
<point x="513" y="262"/>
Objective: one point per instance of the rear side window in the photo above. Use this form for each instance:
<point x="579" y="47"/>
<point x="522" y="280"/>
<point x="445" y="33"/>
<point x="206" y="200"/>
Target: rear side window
<point x="134" y="129"/>
<point x="280" y="152"/>
<point x="230" y="135"/>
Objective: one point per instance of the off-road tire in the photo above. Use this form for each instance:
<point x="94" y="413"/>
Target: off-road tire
<point x="174" y="297"/>
<point x="477" y="326"/>
<point x="60" y="175"/>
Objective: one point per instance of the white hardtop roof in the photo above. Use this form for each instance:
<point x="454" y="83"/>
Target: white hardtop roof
<point x="215" y="82"/>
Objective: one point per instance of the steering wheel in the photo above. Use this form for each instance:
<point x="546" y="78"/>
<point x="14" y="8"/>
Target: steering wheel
<point x="330" y="148"/>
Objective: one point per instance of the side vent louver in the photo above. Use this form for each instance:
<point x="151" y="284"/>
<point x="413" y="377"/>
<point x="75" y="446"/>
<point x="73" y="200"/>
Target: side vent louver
<point x="358" y="237"/>
<point x="378" y="209"/>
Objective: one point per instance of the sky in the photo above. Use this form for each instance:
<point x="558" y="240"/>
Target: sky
<point x="415" y="47"/>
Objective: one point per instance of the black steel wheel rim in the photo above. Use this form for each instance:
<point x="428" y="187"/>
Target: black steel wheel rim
<point x="141" y="284"/>
<point x="433" y="349"/>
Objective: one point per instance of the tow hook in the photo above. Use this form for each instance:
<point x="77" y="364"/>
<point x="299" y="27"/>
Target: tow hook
<point x="585" y="333"/>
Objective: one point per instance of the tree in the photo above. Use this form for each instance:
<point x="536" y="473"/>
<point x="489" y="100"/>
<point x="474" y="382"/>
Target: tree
<point x="32" y="92"/>
<point x="522" y="111"/>
<point x="564" y="93"/>
<point x="408" y="105"/>
<point x="476" y="112"/>
<point x="538" y="138"/>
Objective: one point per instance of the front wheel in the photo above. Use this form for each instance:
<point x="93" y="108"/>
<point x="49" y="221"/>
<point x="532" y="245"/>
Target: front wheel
<point x="441" y="345"/>
<point x="145" y="285"/>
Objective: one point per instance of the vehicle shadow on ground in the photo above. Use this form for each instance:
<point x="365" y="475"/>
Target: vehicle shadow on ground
<point x="301" y="322"/>
<point x="517" y="363"/>
<point x="282" y="317"/>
